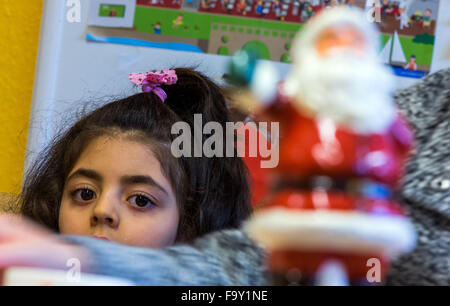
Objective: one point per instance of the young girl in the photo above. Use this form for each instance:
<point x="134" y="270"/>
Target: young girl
<point x="112" y="175"/>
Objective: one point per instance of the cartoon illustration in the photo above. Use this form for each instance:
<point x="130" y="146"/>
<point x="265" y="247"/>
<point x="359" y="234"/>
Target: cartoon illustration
<point x="317" y="6"/>
<point x="157" y="28"/>
<point x="178" y="21"/>
<point x="205" y="5"/>
<point x="417" y="17"/>
<point x="386" y="8"/>
<point x="404" y="19"/>
<point x="407" y="29"/>
<point x="241" y="7"/>
<point x="392" y="53"/>
<point x="412" y="63"/>
<point x="259" y="7"/>
<point x="308" y="13"/>
<point x="272" y="24"/>
<point x="426" y="19"/>
<point x="277" y="9"/>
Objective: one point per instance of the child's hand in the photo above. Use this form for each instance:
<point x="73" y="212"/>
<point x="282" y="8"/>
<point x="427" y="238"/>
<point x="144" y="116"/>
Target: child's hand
<point x="26" y="244"/>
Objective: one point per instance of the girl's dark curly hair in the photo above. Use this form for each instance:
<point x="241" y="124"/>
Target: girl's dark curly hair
<point x="212" y="193"/>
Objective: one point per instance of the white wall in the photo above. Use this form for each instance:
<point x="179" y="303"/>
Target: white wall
<point x="441" y="53"/>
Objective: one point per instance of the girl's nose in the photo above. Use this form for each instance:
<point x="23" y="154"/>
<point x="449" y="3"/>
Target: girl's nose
<point x="105" y="214"/>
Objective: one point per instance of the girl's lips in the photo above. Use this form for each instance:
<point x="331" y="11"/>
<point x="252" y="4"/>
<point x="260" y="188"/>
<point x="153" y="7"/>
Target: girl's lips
<point x="100" y="237"/>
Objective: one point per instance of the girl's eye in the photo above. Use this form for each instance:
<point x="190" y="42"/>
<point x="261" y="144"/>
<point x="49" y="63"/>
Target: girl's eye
<point x="141" y="201"/>
<point x="84" y="195"/>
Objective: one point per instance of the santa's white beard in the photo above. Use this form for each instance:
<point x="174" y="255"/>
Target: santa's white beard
<point x="352" y="91"/>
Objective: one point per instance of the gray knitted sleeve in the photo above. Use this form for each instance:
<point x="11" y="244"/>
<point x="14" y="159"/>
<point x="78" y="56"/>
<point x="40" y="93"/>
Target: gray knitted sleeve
<point x="426" y="188"/>
<point x="222" y="258"/>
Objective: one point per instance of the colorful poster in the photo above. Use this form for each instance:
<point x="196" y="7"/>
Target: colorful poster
<point x="217" y="26"/>
<point x="112" y="13"/>
<point x="225" y="26"/>
<point x="407" y="33"/>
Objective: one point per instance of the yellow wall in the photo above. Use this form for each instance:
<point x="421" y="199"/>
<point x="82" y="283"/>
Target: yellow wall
<point x="19" y="35"/>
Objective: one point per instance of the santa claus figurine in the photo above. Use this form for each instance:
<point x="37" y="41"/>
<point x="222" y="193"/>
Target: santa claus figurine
<point x="331" y="217"/>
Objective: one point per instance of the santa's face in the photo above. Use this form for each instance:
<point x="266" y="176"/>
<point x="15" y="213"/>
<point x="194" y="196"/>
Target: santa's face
<point x="332" y="40"/>
<point x="338" y="76"/>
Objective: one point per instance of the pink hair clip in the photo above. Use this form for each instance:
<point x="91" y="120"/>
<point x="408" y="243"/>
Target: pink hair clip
<point x="152" y="81"/>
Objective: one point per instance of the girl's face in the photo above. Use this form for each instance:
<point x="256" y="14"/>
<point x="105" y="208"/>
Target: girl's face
<point x="117" y="191"/>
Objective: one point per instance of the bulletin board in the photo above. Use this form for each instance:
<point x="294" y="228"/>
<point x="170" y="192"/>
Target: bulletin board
<point x="211" y="26"/>
<point x="407" y="27"/>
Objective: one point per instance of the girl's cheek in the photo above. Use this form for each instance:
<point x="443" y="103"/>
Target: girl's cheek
<point x="73" y="222"/>
<point x="168" y="228"/>
<point x="153" y="232"/>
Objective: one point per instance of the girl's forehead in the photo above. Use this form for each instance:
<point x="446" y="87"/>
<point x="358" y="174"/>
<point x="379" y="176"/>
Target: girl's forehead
<point x="118" y="146"/>
<point x="116" y="156"/>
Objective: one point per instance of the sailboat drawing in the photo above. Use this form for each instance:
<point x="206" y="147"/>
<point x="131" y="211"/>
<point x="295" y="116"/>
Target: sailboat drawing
<point x="393" y="55"/>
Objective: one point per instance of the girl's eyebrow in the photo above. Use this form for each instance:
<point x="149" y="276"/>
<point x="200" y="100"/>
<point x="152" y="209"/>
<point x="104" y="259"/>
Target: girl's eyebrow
<point x="142" y="179"/>
<point x="86" y="173"/>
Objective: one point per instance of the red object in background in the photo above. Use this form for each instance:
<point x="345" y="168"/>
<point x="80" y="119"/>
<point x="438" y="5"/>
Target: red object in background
<point x="259" y="176"/>
<point x="296" y="199"/>
<point x="311" y="148"/>
<point x="309" y="262"/>
<point x="317" y="8"/>
<point x="307" y="149"/>
<point x="174" y="4"/>
<point x="379" y="157"/>
<point x="396" y="11"/>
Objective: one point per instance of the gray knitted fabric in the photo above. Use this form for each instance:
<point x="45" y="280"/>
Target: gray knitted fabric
<point x="224" y="258"/>
<point x="426" y="189"/>
<point x="231" y="258"/>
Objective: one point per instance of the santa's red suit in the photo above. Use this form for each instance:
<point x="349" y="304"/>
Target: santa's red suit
<point x="328" y="167"/>
<point x="313" y="147"/>
<point x="332" y="194"/>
